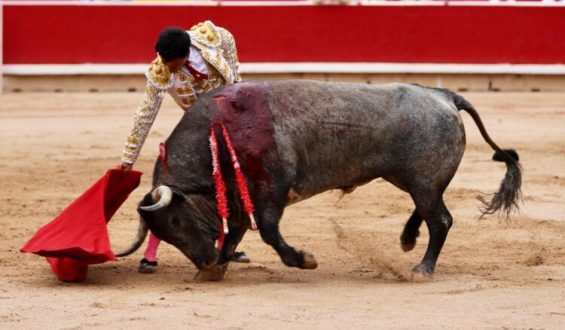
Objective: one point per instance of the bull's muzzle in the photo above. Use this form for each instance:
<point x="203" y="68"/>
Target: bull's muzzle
<point x="212" y="273"/>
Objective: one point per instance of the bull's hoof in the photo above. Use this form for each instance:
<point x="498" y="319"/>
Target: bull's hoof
<point x="424" y="270"/>
<point x="211" y="274"/>
<point x="420" y="278"/>
<point x="407" y="246"/>
<point x="407" y="243"/>
<point x="309" y="261"/>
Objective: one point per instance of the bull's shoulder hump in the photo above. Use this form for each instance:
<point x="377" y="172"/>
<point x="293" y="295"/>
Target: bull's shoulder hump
<point x="291" y="86"/>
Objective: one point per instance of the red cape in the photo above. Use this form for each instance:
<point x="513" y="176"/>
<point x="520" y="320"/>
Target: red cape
<point x="78" y="236"/>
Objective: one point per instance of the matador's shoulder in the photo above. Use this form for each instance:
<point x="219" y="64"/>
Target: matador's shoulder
<point x="206" y="33"/>
<point x="159" y="74"/>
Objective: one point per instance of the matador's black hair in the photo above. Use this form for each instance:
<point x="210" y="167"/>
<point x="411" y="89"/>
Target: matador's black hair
<point x="173" y="42"/>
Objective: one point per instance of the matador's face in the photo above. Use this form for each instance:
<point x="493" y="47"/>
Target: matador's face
<point x="175" y="64"/>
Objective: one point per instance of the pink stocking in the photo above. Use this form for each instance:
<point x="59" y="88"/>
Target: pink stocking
<point x="151" y="251"/>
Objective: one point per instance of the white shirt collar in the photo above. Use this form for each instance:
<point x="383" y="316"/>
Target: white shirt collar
<point x="197" y="61"/>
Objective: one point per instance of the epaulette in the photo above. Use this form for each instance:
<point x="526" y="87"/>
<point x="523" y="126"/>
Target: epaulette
<point x="206" y="33"/>
<point x="159" y="75"/>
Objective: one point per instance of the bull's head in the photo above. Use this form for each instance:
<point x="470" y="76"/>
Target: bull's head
<point x="187" y="221"/>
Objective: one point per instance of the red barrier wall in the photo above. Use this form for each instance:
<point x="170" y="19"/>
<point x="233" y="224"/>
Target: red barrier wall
<point x="407" y="34"/>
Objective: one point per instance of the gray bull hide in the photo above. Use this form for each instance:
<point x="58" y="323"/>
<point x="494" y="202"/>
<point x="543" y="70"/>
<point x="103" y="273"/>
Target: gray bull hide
<point x="296" y="139"/>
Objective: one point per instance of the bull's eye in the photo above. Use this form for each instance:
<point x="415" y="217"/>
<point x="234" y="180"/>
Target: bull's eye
<point x="176" y="221"/>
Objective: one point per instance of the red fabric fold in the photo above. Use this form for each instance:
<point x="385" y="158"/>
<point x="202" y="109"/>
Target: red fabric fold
<point x="78" y="236"/>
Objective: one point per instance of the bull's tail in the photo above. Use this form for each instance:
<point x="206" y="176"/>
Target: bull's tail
<point x="509" y="193"/>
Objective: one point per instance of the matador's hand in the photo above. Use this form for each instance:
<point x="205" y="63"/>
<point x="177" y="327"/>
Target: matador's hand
<point x="126" y="167"/>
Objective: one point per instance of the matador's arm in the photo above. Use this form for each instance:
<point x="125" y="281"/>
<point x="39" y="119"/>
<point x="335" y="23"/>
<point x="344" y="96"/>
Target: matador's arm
<point x="230" y="52"/>
<point x="142" y="122"/>
<point x="159" y="79"/>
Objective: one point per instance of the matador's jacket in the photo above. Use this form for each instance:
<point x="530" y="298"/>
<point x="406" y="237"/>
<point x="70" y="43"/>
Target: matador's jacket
<point x="217" y="47"/>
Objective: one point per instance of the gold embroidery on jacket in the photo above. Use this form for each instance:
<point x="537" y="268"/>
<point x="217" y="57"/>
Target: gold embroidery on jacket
<point x="198" y="87"/>
<point x="159" y="74"/>
<point x="206" y="33"/>
<point x="184" y="90"/>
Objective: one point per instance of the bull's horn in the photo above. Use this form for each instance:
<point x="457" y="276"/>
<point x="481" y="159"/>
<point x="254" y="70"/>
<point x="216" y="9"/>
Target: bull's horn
<point x="141" y="234"/>
<point x="162" y="197"/>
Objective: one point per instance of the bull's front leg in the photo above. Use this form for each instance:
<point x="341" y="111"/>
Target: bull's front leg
<point x="232" y="240"/>
<point x="215" y="272"/>
<point x="269" y="209"/>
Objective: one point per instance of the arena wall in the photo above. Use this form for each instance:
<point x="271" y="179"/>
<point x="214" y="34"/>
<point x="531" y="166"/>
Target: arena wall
<point x="461" y="45"/>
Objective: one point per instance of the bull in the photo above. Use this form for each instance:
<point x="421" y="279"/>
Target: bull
<point x="296" y="139"/>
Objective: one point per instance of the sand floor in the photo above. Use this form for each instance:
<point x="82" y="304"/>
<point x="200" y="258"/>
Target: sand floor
<point x="492" y="273"/>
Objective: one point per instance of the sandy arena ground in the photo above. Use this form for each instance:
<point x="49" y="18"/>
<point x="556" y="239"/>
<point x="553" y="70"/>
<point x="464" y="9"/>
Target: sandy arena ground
<point x="492" y="273"/>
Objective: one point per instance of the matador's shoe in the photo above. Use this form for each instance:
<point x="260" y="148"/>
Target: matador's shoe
<point x="240" y="257"/>
<point x="147" y="267"/>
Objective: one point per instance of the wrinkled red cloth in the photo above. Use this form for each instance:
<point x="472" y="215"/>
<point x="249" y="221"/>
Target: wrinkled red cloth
<point x="68" y="269"/>
<point x="78" y="236"/>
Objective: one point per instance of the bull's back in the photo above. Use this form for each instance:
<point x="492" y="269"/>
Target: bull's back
<point x="332" y="135"/>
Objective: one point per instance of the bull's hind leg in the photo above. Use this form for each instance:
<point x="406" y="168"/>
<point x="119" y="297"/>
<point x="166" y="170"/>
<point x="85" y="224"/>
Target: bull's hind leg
<point x="411" y="232"/>
<point x="438" y="220"/>
<point x="269" y="210"/>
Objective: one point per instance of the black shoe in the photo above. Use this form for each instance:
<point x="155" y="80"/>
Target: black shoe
<point x="240" y="257"/>
<point x="147" y="267"/>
